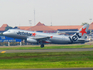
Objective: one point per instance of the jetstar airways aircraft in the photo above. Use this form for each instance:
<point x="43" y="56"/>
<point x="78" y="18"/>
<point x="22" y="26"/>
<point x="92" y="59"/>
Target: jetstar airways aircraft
<point x="42" y="38"/>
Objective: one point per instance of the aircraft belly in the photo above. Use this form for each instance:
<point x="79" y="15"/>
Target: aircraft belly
<point x="17" y="36"/>
<point x="59" y="41"/>
<point x="21" y="36"/>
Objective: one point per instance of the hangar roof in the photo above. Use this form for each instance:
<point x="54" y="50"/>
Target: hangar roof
<point x="2" y="28"/>
<point x="41" y="27"/>
<point x="4" y="25"/>
<point x="66" y="27"/>
<point x="91" y="26"/>
<point x="25" y="27"/>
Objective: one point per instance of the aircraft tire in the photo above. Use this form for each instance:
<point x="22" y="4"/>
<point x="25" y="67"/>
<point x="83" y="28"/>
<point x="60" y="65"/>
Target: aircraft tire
<point x="42" y="45"/>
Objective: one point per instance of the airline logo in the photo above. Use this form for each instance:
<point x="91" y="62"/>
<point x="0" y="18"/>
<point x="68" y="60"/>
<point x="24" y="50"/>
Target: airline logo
<point x="76" y="36"/>
<point x="26" y="33"/>
<point x="33" y="34"/>
<point x="51" y="36"/>
<point x="83" y="31"/>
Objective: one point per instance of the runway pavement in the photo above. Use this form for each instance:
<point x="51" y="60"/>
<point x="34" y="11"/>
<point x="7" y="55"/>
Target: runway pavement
<point x="47" y="50"/>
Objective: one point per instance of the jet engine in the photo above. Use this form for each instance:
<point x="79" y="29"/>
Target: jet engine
<point x="31" y="40"/>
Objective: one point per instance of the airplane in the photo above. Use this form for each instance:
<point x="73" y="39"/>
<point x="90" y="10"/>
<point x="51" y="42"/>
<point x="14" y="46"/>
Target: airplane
<point x="42" y="38"/>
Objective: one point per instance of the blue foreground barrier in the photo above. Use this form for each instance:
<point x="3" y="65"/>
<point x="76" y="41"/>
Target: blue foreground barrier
<point x="8" y="39"/>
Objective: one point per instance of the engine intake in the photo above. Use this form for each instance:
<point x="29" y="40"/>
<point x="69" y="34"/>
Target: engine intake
<point x="31" y="40"/>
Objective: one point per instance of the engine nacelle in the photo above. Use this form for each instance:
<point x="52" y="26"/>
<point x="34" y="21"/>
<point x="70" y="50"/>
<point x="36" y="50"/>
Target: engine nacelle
<point x="31" y="40"/>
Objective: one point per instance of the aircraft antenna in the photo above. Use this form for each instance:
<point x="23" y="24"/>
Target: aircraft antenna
<point x="51" y="20"/>
<point x="51" y="23"/>
<point x="30" y="24"/>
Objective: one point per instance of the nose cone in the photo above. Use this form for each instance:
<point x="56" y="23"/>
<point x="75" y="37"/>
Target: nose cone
<point x="5" y="33"/>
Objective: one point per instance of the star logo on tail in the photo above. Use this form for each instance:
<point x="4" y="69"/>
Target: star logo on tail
<point x="83" y="31"/>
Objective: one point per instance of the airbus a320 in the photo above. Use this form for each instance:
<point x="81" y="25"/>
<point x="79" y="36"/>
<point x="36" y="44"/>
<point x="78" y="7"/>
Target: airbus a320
<point x="42" y="38"/>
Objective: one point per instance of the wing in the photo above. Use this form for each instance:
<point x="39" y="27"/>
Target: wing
<point x="39" y="38"/>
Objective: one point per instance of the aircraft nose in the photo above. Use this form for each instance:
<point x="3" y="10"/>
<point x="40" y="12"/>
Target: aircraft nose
<point x="5" y="33"/>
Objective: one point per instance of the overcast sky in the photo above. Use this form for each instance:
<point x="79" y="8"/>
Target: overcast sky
<point x="59" y="12"/>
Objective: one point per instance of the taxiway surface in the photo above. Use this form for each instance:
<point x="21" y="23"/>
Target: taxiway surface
<point x="47" y="50"/>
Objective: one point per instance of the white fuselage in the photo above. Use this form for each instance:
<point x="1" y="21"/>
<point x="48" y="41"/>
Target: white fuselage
<point x="23" y="34"/>
<point x="41" y="38"/>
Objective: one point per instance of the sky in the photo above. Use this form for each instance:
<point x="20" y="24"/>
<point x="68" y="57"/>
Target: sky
<point x="55" y="12"/>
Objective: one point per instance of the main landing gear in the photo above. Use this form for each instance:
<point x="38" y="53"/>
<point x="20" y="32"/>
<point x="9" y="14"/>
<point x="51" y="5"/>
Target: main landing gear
<point x="42" y="45"/>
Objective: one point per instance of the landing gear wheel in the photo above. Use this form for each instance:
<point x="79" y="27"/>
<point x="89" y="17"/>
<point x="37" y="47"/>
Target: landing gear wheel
<point x="42" y="45"/>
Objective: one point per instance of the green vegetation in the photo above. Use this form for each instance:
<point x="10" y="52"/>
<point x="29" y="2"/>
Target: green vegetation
<point x="46" y="47"/>
<point x="46" y="60"/>
<point x="84" y="23"/>
<point x="8" y="27"/>
<point x="1" y="34"/>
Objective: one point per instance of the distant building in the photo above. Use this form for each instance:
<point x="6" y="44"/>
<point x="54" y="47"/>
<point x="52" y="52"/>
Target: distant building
<point x="2" y="28"/>
<point x="90" y="30"/>
<point x="68" y="30"/>
<point x="40" y="27"/>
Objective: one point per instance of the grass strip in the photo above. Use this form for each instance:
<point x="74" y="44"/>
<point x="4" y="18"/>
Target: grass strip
<point x="46" y="60"/>
<point x="46" y="47"/>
